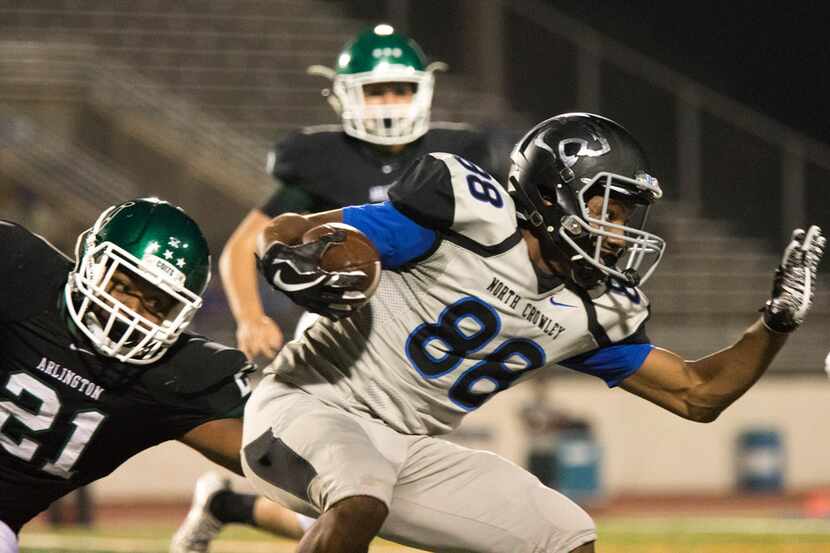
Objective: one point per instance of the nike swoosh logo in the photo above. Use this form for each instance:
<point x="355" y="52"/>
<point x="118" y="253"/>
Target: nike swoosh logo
<point x="557" y="304"/>
<point x="295" y="286"/>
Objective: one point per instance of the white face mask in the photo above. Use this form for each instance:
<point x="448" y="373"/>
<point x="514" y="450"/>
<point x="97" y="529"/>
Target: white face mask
<point x="385" y="124"/>
<point x="113" y="328"/>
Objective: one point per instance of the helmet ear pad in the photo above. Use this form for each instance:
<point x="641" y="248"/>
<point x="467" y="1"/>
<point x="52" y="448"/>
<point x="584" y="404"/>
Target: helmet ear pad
<point x="559" y="256"/>
<point x="555" y="252"/>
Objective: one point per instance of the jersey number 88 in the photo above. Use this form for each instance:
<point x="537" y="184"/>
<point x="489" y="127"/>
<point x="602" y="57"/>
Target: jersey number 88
<point x="492" y="374"/>
<point x="483" y="187"/>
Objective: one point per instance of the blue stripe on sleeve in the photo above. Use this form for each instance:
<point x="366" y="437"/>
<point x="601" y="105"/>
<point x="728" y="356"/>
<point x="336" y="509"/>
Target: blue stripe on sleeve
<point x="613" y="364"/>
<point x="397" y="238"/>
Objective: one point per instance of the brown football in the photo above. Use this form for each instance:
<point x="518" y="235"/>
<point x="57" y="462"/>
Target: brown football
<point x="355" y="253"/>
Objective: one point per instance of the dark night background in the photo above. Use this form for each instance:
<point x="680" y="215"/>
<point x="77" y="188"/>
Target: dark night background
<point x="770" y="57"/>
<point x="773" y="57"/>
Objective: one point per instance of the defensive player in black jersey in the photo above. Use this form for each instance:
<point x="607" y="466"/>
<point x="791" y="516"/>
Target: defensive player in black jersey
<point x="97" y="365"/>
<point x="382" y="90"/>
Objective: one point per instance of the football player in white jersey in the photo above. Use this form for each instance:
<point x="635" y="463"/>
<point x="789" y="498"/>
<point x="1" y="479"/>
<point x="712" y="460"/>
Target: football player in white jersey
<point x="482" y="285"/>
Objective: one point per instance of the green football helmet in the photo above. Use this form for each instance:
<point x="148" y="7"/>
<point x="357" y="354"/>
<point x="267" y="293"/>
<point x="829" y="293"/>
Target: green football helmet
<point x="155" y="241"/>
<point x="380" y="55"/>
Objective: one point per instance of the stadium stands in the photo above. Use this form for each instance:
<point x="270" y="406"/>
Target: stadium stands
<point x="187" y="97"/>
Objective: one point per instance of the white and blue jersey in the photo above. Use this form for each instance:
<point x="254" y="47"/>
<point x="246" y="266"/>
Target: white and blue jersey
<point x="461" y="313"/>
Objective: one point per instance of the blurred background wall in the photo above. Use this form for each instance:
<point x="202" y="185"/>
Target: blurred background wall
<point x="104" y="100"/>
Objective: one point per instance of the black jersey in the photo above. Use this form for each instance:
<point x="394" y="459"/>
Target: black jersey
<point x="69" y="416"/>
<point x="323" y="168"/>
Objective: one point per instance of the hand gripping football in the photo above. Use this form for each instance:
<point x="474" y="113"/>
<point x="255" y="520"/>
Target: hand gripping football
<point x="354" y="254"/>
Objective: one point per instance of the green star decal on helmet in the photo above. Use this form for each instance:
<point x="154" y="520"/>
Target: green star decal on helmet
<point x="154" y="241"/>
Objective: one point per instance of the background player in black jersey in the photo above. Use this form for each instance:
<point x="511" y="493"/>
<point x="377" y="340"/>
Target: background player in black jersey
<point x="382" y="90"/>
<point x="97" y="365"/>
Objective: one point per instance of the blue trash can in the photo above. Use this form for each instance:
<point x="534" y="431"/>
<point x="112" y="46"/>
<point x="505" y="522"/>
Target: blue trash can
<point x="578" y="464"/>
<point x="760" y="461"/>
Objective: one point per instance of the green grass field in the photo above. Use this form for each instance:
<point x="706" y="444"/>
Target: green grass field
<point x="617" y="535"/>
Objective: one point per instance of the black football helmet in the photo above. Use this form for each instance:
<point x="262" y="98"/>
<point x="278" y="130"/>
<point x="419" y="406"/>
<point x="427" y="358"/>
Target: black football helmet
<point x="557" y="167"/>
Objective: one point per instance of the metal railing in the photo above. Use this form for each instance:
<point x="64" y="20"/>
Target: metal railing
<point x="692" y="101"/>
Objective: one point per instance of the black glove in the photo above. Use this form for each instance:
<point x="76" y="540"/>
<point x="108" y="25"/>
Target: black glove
<point x="795" y="281"/>
<point x="296" y="271"/>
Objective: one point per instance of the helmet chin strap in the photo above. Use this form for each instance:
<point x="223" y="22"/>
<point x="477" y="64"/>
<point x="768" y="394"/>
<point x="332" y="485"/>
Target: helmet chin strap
<point x="585" y="275"/>
<point x="582" y="275"/>
<point x="93" y="323"/>
<point x="632" y="278"/>
<point x="554" y="256"/>
<point x="592" y="275"/>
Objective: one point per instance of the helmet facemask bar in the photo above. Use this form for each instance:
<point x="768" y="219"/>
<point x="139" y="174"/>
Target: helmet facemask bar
<point x="590" y="235"/>
<point x="385" y="124"/>
<point x="115" y="329"/>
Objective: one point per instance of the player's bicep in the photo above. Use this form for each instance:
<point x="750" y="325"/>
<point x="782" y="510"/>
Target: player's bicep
<point x="398" y="239"/>
<point x="219" y="440"/>
<point x="613" y="364"/>
<point x="244" y="236"/>
<point x="664" y="379"/>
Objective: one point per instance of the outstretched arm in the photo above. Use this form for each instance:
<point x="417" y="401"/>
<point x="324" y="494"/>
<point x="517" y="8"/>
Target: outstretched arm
<point x="700" y="390"/>
<point x="219" y="440"/>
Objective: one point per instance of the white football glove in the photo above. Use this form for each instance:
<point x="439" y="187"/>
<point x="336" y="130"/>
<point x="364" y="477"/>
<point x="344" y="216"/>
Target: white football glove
<point x="795" y="281"/>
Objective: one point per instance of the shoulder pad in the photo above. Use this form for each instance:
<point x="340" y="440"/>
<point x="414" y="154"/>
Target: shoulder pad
<point x="196" y="366"/>
<point x="32" y="272"/>
<point x="298" y="153"/>
<point x="622" y="310"/>
<point x="463" y="140"/>
<point x="448" y="193"/>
